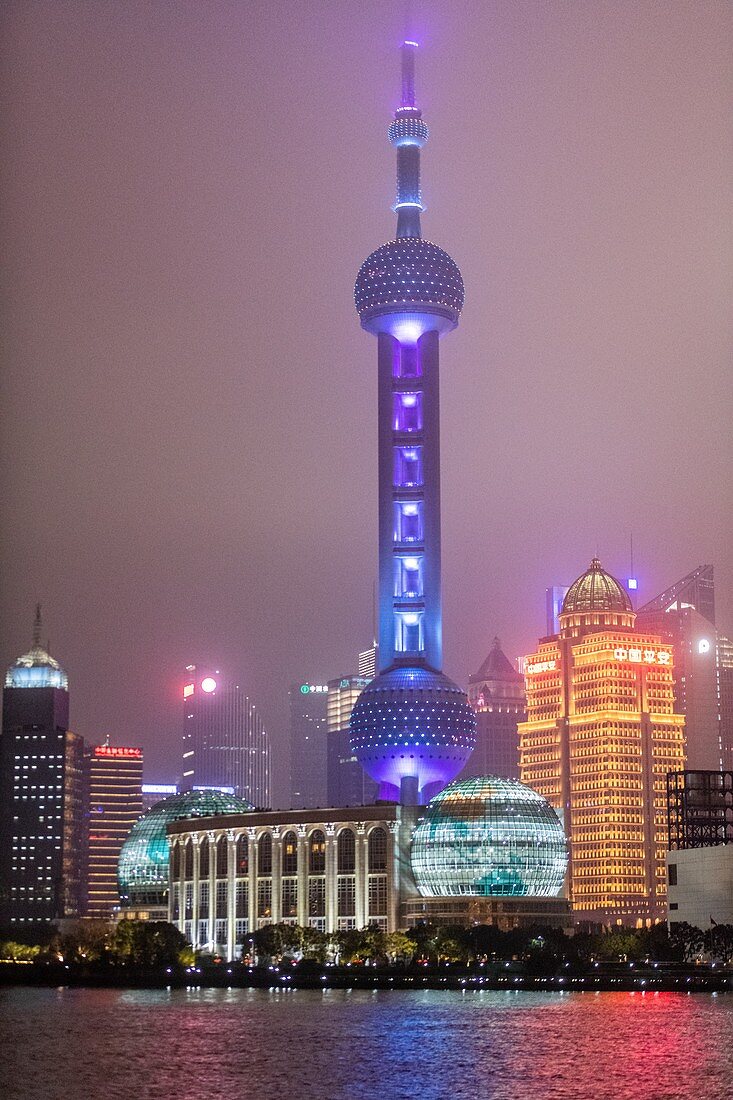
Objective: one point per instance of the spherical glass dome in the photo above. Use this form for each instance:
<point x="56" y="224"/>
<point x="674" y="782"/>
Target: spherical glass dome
<point x="489" y="837"/>
<point x="409" y="272"/>
<point x="142" y="870"/>
<point x="412" y="722"/>
<point x="596" y="590"/>
<point x="36" y="669"/>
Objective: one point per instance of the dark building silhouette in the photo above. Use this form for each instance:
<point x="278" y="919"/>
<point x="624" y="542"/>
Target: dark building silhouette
<point x="496" y="693"/>
<point x="684" y="614"/>
<point x="42" y="794"/>
<point x="308" y="703"/>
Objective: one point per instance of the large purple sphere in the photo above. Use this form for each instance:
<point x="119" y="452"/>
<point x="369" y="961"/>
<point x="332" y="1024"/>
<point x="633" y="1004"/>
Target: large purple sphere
<point x="409" y="272"/>
<point x="412" y="722"/>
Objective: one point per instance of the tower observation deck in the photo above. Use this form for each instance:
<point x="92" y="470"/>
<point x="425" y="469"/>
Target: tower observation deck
<point x="412" y="728"/>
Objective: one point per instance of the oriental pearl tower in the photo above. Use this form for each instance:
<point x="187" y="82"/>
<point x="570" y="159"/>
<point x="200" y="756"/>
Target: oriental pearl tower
<point x="412" y="728"/>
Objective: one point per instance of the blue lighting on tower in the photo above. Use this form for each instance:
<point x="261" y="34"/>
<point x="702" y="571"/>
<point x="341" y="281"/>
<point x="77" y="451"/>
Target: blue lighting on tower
<point x="412" y="728"/>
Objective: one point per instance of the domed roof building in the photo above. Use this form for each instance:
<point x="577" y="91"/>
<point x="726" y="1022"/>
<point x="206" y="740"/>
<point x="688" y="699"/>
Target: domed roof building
<point x="595" y="599"/>
<point x="600" y="738"/>
<point x="142" y="871"/>
<point x="489" y="837"/>
<point x="36" y="668"/>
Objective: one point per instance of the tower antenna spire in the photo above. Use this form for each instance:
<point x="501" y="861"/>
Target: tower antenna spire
<point x="408" y="133"/>
<point x="37" y="628"/>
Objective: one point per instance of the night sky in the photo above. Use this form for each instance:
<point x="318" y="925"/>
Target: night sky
<point x="189" y="423"/>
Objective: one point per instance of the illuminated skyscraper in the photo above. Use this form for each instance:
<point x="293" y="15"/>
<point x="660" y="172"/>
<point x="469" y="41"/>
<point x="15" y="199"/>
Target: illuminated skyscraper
<point x="600" y="736"/>
<point x="115" y="778"/>
<point x="412" y="728"/>
<point x="225" y="744"/>
<point x="42" y="824"/>
<point x="496" y="693"/>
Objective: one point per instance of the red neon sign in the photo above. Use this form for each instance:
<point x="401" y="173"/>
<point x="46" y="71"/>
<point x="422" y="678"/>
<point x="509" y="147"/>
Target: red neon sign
<point x="108" y="750"/>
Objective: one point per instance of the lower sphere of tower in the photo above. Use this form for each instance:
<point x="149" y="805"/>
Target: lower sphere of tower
<point x="409" y="272"/>
<point x="412" y="722"/>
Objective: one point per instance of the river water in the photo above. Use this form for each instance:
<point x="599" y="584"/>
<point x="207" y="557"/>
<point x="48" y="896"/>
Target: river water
<point x="101" y="1044"/>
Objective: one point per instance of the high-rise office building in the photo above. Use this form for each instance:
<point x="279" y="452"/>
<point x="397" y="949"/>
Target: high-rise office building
<point x="496" y="693"/>
<point x="42" y="793"/>
<point x="225" y="744"/>
<point x="347" y="782"/>
<point x="684" y="614"/>
<point x="412" y="728"/>
<point x="367" y="663"/>
<point x="115" y="778"/>
<point x="725" y="697"/>
<point x="600" y="737"/>
<point x="308" y="752"/>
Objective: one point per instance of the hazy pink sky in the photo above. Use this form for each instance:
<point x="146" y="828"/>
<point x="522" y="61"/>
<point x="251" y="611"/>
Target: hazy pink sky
<point x="189" y="432"/>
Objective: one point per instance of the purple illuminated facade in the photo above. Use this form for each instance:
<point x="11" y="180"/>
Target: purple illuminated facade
<point x="412" y="728"/>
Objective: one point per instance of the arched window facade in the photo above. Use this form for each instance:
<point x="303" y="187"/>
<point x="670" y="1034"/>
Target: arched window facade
<point x="204" y="857"/>
<point x="242" y="855"/>
<point x="264" y="854"/>
<point x="222" y="861"/>
<point x="188" y="860"/>
<point x="346" y="852"/>
<point x="290" y="854"/>
<point x="317" y="852"/>
<point x="176" y="861"/>
<point x="377" y="850"/>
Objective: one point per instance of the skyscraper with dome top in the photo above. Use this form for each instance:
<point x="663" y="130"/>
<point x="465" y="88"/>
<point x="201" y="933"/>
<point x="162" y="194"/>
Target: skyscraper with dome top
<point x="412" y="728"/>
<point x="600" y="737"/>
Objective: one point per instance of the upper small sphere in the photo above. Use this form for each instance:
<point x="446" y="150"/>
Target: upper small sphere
<point x="409" y="273"/>
<point x="36" y="669"/>
<point x="596" y="590"/>
<point x="142" y="870"/>
<point x="408" y="130"/>
<point x="412" y="722"/>
<point x="488" y="836"/>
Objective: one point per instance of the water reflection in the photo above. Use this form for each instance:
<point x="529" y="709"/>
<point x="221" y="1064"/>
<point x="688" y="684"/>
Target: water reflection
<point x="363" y="1045"/>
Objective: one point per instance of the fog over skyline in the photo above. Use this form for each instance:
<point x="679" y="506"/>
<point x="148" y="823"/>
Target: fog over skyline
<point x="189" y="416"/>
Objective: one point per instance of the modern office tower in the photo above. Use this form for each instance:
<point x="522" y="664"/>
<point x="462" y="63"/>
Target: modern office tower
<point x="308" y="744"/>
<point x="496" y="693"/>
<point x="600" y="736"/>
<point x="553" y="605"/>
<point x="367" y="664"/>
<point x="412" y="728"/>
<point x="347" y="782"/>
<point x="225" y="744"/>
<point x="725" y="697"/>
<point x="115" y="802"/>
<point x="42" y="793"/>
<point x="684" y="614"/>
<point x="153" y="793"/>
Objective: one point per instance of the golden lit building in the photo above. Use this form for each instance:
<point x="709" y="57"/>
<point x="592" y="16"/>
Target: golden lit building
<point x="598" y="742"/>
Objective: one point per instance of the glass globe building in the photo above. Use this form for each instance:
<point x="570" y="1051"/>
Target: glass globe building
<point x="142" y="872"/>
<point x="489" y="837"/>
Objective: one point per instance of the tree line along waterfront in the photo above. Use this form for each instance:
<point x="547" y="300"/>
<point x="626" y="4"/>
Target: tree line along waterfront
<point x="288" y="955"/>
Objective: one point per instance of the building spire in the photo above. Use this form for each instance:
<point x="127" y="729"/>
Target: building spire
<point x="408" y="133"/>
<point x="37" y="628"/>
